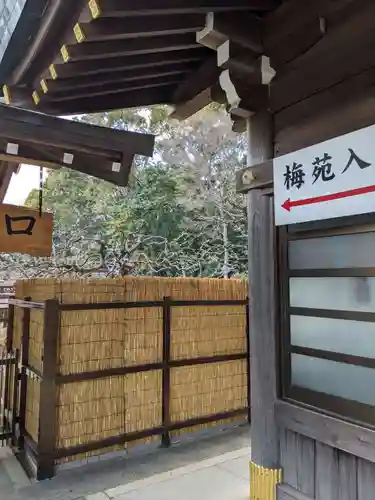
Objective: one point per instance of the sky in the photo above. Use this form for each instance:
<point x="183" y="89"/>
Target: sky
<point x="21" y="184"/>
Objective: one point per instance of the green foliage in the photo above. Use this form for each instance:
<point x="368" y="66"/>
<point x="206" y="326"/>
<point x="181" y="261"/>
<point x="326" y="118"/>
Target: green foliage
<point x="179" y="215"/>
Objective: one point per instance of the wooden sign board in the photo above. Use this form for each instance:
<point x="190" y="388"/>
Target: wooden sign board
<point x="332" y="179"/>
<point x="23" y="230"/>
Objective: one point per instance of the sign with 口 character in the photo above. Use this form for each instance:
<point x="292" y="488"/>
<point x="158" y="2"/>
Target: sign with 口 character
<point x="332" y="179"/>
<point x="23" y="230"/>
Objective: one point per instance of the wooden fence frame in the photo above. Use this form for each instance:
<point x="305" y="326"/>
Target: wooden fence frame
<point x="44" y="453"/>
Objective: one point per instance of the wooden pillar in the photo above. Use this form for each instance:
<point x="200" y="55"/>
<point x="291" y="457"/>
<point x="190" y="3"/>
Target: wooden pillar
<point x="264" y="465"/>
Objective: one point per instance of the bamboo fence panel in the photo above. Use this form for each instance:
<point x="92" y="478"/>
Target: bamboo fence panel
<point x="100" y="339"/>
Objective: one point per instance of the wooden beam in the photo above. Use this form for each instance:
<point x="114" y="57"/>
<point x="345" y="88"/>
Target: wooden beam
<point x="139" y="27"/>
<point x="116" y="48"/>
<point x="244" y="99"/>
<point x="131" y="75"/>
<point x="18" y="124"/>
<point x="15" y="95"/>
<point x="133" y="99"/>
<point x="117" y="8"/>
<point x="238" y="59"/>
<point x="184" y="110"/>
<point x="262" y="313"/>
<point x="242" y="28"/>
<point x="254" y="177"/>
<point x="205" y="76"/>
<point x="53" y="158"/>
<point x="116" y="87"/>
<point x="114" y="64"/>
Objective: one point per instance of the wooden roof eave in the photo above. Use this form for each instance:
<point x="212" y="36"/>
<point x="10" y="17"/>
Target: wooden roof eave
<point x="103" y="33"/>
<point x="34" y="138"/>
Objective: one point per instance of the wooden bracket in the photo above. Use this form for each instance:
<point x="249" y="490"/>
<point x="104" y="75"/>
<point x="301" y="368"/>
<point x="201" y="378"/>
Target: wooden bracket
<point x="256" y="177"/>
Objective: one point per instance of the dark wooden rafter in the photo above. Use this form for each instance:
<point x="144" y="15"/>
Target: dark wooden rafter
<point x="116" y="87"/>
<point x="113" y="48"/>
<point x="120" y="100"/>
<point x="127" y="75"/>
<point x="113" y="64"/>
<point x="138" y="27"/>
<point x="118" y="48"/>
<point x="47" y="141"/>
<point x="17" y="96"/>
<point x="198" y="90"/>
<point x="117" y="8"/>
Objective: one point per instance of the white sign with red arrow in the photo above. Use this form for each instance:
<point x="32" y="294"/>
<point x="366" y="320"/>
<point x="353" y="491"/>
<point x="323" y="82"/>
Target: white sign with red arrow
<point x="332" y="179"/>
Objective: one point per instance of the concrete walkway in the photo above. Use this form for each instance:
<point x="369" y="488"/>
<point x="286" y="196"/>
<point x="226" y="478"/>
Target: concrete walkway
<point x="213" y="467"/>
<point x="224" y="477"/>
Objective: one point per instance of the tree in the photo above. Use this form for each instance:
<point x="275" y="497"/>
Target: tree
<point x="179" y="216"/>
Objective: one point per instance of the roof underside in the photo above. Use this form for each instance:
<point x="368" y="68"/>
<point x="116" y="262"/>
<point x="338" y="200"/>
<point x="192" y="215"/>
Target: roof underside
<point x="90" y="56"/>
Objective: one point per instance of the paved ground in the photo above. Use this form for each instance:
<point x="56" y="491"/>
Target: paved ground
<point x="215" y="467"/>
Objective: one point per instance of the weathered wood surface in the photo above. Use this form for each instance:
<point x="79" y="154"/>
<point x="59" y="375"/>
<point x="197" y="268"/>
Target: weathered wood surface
<point x="316" y="471"/>
<point x="296" y="27"/>
<point x="38" y="242"/>
<point x="348" y="437"/>
<point x="335" y="57"/>
<point x="327" y="89"/>
<point x="265" y="448"/>
<point x="285" y="492"/>
<point x="255" y="177"/>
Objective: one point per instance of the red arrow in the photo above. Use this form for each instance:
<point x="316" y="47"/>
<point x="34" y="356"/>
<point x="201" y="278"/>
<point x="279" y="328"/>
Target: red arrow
<point x="287" y="205"/>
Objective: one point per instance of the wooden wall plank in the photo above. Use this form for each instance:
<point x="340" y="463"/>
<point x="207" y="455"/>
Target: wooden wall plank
<point x="366" y="480"/>
<point x="337" y="55"/>
<point x="306" y="465"/>
<point x="336" y="111"/>
<point x="348" y="437"/>
<point x="326" y="473"/>
<point x="347" y="477"/>
<point x="288" y="456"/>
<point x="294" y="28"/>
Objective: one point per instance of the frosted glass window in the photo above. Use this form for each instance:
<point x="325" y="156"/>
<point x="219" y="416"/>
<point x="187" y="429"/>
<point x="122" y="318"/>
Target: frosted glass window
<point x="356" y="383"/>
<point x="341" y="294"/>
<point x="337" y="335"/>
<point x="333" y="252"/>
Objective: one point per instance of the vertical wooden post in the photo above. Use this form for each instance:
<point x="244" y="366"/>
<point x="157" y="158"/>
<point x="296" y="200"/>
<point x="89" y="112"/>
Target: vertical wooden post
<point x="48" y="391"/>
<point x="15" y="395"/>
<point x="264" y="472"/>
<point x="25" y="342"/>
<point x="248" y="362"/>
<point x="8" y="367"/>
<point x="166" y="381"/>
<point x="10" y="327"/>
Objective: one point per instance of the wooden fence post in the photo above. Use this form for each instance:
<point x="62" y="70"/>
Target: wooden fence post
<point x="10" y="327"/>
<point x="25" y="342"/>
<point x="48" y="391"/>
<point x="166" y="381"/>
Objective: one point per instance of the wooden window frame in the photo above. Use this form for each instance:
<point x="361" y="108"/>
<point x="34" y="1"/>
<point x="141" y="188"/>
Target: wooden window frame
<point x="345" y="409"/>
